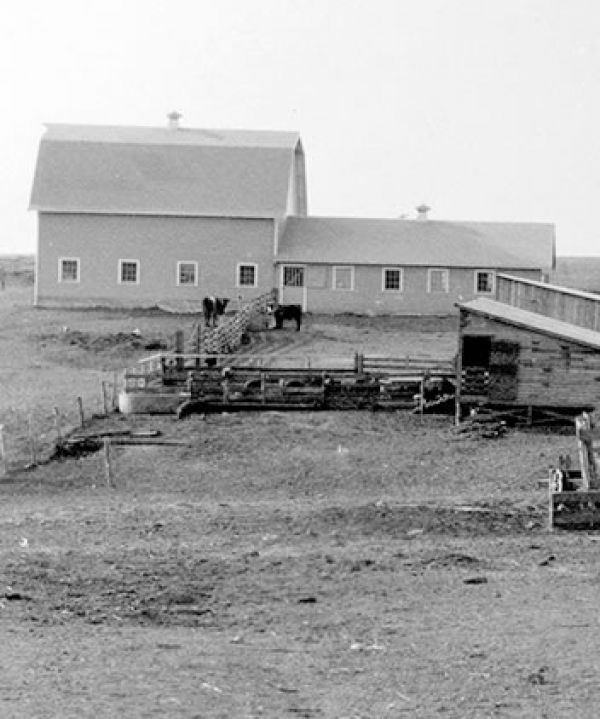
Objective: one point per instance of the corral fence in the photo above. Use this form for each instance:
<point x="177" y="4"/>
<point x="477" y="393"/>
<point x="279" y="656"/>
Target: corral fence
<point x="31" y="437"/>
<point x="164" y="369"/>
<point x="228" y="336"/>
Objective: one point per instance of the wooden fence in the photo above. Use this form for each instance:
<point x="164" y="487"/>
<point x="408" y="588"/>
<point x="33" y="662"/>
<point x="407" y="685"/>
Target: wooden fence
<point x="171" y="368"/>
<point x="562" y="303"/>
<point x="227" y="336"/>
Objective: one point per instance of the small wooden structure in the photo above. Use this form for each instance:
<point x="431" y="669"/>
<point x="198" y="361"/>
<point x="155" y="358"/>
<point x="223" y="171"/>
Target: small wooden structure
<point x="525" y="363"/>
<point x="574" y="495"/>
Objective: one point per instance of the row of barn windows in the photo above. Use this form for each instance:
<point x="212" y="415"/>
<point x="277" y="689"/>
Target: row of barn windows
<point x="186" y="273"/>
<point x="293" y="276"/>
<point x="392" y="279"/>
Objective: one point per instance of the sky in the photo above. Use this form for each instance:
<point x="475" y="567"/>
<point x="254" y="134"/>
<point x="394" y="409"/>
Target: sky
<point x="482" y="109"/>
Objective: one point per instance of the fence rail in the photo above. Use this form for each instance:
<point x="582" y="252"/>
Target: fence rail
<point x="173" y="367"/>
<point x="227" y="336"/>
<point x="562" y="303"/>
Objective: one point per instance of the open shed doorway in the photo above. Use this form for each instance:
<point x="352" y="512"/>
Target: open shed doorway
<point x="476" y="351"/>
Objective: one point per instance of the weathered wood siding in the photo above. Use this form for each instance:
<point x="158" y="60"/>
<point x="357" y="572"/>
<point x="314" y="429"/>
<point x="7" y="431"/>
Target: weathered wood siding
<point x="550" y="371"/>
<point x="561" y="303"/>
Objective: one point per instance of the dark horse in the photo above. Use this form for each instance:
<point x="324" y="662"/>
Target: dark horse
<point x="213" y="308"/>
<point x="286" y="312"/>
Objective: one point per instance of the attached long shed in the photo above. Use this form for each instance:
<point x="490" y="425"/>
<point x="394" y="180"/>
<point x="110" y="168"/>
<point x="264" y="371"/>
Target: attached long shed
<point x="510" y="357"/>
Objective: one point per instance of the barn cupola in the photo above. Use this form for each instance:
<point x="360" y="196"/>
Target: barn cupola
<point x="423" y="211"/>
<point x="174" y="118"/>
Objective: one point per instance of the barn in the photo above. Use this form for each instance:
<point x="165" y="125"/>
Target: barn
<point x="545" y="359"/>
<point x="405" y="267"/>
<point x="139" y="217"/>
<point x="134" y="216"/>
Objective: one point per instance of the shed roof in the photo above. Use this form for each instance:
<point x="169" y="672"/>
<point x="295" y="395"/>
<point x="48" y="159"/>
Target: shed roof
<point x="533" y="321"/>
<point x="174" y="171"/>
<point x="501" y="245"/>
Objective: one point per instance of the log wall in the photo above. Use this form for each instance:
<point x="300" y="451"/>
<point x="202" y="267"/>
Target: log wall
<point x="551" y="372"/>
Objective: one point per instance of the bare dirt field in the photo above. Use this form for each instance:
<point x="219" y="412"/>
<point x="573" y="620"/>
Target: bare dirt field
<point x="348" y="564"/>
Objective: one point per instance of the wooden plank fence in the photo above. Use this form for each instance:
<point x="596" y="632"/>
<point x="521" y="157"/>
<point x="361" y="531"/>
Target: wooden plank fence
<point x="562" y="303"/>
<point x="164" y="368"/>
<point x="227" y="336"/>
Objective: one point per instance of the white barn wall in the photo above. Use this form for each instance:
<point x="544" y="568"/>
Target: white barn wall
<point x="158" y="242"/>
<point x="368" y="297"/>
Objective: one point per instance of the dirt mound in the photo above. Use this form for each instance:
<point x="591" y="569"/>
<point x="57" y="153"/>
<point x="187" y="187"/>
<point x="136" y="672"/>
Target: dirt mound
<point x="100" y="342"/>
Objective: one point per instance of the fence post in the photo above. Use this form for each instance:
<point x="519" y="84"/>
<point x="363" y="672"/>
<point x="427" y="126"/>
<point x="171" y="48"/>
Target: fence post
<point x="81" y="414"/>
<point x="114" y="399"/>
<point x="104" y="392"/>
<point x="3" y="458"/>
<point x="32" y="442"/>
<point x="108" y="464"/>
<point x="57" y="425"/>
<point x="359" y="363"/>
<point x="179" y="348"/>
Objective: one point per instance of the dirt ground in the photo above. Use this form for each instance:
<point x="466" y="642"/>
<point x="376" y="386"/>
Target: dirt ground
<point x="348" y="564"/>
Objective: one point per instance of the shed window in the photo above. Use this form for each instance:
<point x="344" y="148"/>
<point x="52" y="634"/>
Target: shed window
<point x="68" y="269"/>
<point x="392" y="279"/>
<point x="187" y="273"/>
<point x="437" y="280"/>
<point x="247" y="275"/>
<point x="129" y="272"/>
<point x="343" y="278"/>
<point x="484" y="281"/>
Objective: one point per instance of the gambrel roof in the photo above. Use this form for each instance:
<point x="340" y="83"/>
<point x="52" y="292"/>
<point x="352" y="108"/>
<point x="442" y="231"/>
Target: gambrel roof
<point x="164" y="171"/>
<point x="431" y="243"/>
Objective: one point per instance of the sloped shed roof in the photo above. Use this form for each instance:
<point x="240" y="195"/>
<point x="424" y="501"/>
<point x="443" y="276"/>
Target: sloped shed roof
<point x="502" y="245"/>
<point x="158" y="171"/>
<point x="533" y="321"/>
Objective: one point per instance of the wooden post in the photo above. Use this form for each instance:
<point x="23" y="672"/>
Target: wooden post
<point x="108" y="465"/>
<point x="115" y="390"/>
<point x="198" y="343"/>
<point x="179" y="348"/>
<point x="550" y="503"/>
<point x="81" y="414"/>
<point x="458" y="368"/>
<point x="57" y="425"/>
<point x="32" y="440"/>
<point x="263" y="397"/>
<point x="104" y="393"/>
<point x="3" y="458"/>
<point x="359" y="363"/>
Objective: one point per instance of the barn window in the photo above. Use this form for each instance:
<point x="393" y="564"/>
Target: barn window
<point x="187" y="273"/>
<point x="247" y="275"/>
<point x="343" y="278"/>
<point x="293" y="276"/>
<point x="484" y="282"/>
<point x="392" y="279"/>
<point x="68" y="269"/>
<point x="437" y="280"/>
<point x="129" y="272"/>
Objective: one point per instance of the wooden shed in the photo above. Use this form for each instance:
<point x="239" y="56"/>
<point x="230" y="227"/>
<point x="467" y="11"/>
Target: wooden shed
<point x="524" y="361"/>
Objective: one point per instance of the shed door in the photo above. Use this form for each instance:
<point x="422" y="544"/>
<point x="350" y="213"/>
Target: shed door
<point x="504" y="370"/>
<point x="293" y="285"/>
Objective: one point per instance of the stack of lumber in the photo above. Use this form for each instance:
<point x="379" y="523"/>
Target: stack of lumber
<point x="482" y="425"/>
